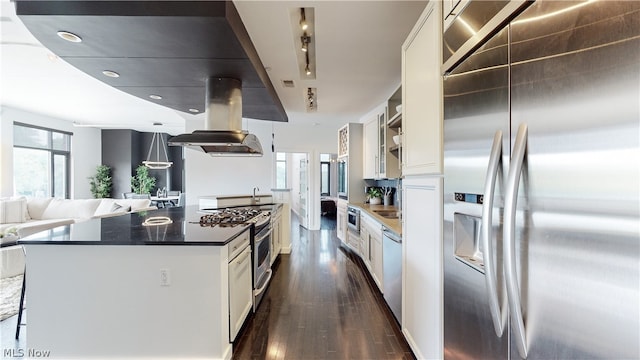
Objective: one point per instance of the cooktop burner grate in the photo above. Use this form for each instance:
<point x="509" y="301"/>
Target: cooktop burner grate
<point x="228" y="217"/>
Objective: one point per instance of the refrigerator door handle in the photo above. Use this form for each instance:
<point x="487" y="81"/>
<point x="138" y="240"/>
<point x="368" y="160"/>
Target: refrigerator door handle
<point x="495" y="159"/>
<point x="511" y="199"/>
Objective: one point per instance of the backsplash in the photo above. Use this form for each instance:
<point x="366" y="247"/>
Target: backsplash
<point x="396" y="184"/>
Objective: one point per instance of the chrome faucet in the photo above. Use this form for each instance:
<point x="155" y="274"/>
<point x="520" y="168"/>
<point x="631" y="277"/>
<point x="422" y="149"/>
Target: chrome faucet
<point x="255" y="200"/>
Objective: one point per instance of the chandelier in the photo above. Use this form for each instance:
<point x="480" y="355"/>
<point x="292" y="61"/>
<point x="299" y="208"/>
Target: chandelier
<point x="157" y="163"/>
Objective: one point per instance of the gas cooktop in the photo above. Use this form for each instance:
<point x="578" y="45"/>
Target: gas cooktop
<point x="233" y="217"/>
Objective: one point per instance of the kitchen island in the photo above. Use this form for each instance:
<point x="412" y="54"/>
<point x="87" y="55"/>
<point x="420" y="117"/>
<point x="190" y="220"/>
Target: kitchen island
<point x="144" y="285"/>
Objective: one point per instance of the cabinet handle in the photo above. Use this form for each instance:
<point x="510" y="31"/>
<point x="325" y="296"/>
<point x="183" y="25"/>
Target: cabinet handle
<point x="495" y="160"/>
<point x="510" y="203"/>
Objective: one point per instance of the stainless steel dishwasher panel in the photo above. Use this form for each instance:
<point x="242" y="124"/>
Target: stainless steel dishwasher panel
<point x="392" y="272"/>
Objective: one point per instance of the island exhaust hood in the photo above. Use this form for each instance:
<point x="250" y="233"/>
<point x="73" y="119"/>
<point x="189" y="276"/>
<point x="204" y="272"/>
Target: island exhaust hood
<point x="222" y="134"/>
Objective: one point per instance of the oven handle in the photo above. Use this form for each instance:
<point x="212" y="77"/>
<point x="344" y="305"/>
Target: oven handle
<point x="257" y="292"/>
<point x="266" y="231"/>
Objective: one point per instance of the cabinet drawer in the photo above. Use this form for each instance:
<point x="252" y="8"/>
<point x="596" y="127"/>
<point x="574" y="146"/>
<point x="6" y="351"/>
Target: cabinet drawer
<point x="238" y="244"/>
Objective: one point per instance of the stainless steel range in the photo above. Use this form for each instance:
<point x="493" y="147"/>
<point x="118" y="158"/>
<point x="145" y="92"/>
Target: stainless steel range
<point x="260" y="240"/>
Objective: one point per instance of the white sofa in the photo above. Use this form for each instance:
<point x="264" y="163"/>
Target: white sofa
<point x="30" y="216"/>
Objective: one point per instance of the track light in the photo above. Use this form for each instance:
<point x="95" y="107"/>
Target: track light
<point x="305" y="39"/>
<point x="305" y="17"/>
<point x="310" y="100"/>
<point x="307" y="68"/>
<point x="303" y="20"/>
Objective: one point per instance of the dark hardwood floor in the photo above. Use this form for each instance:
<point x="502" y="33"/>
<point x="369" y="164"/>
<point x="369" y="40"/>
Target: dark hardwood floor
<point x="320" y="305"/>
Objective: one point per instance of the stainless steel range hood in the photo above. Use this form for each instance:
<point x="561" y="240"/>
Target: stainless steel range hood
<point x="222" y="134"/>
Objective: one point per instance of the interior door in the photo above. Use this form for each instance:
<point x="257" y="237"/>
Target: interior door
<point x="303" y="191"/>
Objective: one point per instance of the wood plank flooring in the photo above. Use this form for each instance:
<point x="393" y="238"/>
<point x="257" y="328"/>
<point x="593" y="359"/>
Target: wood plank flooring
<point x="320" y="305"/>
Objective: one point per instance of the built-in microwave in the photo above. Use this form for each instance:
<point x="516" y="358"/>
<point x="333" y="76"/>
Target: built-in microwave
<point x="353" y="220"/>
<point x="343" y="178"/>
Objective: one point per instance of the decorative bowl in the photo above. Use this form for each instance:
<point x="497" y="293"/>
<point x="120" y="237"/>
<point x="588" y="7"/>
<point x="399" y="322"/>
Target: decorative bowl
<point x="396" y="139"/>
<point x="399" y="108"/>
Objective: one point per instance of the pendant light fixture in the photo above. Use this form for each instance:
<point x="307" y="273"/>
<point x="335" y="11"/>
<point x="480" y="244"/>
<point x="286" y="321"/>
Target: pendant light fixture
<point x="158" y="141"/>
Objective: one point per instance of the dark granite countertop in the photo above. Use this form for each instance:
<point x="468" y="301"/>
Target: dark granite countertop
<point x="169" y="226"/>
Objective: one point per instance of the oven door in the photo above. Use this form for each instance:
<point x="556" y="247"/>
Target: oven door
<point x="353" y="220"/>
<point x="261" y="264"/>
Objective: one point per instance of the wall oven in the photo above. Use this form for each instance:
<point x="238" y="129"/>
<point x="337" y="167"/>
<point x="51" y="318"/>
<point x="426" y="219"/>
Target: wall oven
<point x="343" y="178"/>
<point x="353" y="229"/>
<point x="353" y="220"/>
<point x="261" y="261"/>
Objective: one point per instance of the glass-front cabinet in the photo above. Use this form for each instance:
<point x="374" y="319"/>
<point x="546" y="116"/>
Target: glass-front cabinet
<point x="381" y="154"/>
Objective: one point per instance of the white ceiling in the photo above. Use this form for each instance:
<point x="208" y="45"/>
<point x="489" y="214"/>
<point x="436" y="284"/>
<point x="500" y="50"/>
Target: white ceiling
<point x="357" y="46"/>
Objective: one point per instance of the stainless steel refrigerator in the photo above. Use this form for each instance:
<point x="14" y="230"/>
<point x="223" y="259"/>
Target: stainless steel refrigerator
<point x="542" y="183"/>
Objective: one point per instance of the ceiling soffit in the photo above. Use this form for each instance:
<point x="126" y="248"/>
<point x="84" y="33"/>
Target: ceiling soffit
<point x="166" y="48"/>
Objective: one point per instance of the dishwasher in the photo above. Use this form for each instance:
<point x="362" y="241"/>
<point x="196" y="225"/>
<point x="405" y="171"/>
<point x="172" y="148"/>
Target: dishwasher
<point x="392" y="271"/>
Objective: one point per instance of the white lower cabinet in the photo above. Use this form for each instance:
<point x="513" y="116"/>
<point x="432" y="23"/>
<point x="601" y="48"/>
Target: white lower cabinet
<point x="371" y="235"/>
<point x="341" y="221"/>
<point x="240" y="291"/>
<point x="365" y="243"/>
<point x="276" y="234"/>
<point x="375" y="247"/>
<point x="422" y="265"/>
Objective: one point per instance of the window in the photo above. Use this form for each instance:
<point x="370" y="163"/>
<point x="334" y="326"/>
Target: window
<point x="325" y="178"/>
<point x="325" y="174"/>
<point x="41" y="159"/>
<point x="281" y="170"/>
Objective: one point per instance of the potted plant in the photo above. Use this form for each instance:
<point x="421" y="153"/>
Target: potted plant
<point x="375" y="196"/>
<point x="100" y="184"/>
<point x="142" y="183"/>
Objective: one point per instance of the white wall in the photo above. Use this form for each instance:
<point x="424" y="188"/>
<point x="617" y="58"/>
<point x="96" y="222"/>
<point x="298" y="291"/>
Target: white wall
<point x="86" y="149"/>
<point x="207" y="175"/>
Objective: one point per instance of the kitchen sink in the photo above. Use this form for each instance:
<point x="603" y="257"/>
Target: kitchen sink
<point x="388" y="214"/>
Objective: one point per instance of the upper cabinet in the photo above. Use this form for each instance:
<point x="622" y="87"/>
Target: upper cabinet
<point x="350" y="158"/>
<point x="422" y="96"/>
<point x="381" y="153"/>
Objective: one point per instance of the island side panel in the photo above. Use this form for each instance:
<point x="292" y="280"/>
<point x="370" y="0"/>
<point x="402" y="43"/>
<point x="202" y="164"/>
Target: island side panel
<point x="108" y="301"/>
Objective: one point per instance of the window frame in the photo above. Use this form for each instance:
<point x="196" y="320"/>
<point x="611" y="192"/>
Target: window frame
<point x="328" y="164"/>
<point x="286" y="175"/>
<point x="52" y="155"/>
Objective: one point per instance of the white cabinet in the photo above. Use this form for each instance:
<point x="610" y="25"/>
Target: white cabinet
<point x="422" y="95"/>
<point x="422" y="265"/>
<point x="375" y="246"/>
<point x="379" y="162"/>
<point x="240" y="291"/>
<point x="365" y="241"/>
<point x="371" y="234"/>
<point x="283" y="197"/>
<point x="353" y="240"/>
<point x="276" y="233"/>
<point x="370" y="149"/>
<point x="341" y="221"/>
<point x="350" y="183"/>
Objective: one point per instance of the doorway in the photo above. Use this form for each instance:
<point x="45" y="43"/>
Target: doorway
<point x="292" y="172"/>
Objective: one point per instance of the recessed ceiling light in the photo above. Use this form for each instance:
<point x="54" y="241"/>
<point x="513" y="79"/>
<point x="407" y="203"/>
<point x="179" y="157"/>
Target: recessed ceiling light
<point x="194" y="110"/>
<point x="157" y="124"/>
<point x="155" y="97"/>
<point x="110" y="73"/>
<point x="69" y="36"/>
